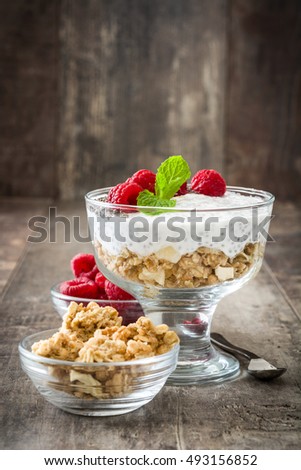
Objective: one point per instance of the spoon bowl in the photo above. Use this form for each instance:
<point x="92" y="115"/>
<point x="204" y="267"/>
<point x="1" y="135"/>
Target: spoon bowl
<point x="257" y="367"/>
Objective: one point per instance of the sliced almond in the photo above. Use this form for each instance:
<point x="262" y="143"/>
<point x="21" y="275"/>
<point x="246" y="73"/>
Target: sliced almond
<point x="89" y="384"/>
<point x="169" y="254"/>
<point x="224" y="273"/>
<point x="158" y="276"/>
<point x="85" y="379"/>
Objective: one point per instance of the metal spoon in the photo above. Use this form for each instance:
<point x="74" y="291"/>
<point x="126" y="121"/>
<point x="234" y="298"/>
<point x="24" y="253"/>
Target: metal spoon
<point x="258" y="367"/>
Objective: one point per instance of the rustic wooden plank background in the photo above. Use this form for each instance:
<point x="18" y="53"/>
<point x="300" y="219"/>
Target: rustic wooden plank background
<point x="92" y="90"/>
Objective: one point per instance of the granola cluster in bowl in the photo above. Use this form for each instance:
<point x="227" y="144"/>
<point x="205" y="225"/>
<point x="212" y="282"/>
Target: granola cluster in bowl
<point x="94" y="365"/>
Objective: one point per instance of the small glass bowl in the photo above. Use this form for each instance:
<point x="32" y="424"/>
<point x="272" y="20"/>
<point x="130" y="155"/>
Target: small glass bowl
<point x="96" y="389"/>
<point x="129" y="310"/>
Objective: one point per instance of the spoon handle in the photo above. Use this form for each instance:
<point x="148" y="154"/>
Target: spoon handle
<point x="222" y="342"/>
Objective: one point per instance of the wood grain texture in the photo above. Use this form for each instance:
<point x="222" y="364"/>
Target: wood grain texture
<point x="14" y="219"/>
<point x="264" y="96"/>
<point x="29" y="97"/>
<point x="241" y="414"/>
<point x="93" y="90"/>
<point x="142" y="80"/>
<point x="283" y="255"/>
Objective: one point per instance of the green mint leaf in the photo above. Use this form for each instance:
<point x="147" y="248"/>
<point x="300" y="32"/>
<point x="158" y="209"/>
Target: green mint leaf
<point x="146" y="198"/>
<point x="171" y="174"/>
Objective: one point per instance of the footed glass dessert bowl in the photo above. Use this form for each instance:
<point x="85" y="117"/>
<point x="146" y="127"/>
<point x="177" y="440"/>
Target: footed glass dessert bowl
<point x="180" y="262"/>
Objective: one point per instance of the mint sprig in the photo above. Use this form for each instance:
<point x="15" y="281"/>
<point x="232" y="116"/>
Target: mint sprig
<point x="146" y="198"/>
<point x="171" y="174"/>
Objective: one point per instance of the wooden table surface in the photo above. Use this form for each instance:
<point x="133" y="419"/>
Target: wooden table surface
<point x="263" y="316"/>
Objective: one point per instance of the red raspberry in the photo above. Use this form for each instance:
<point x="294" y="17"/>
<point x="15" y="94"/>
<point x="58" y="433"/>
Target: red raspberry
<point x="145" y="178"/>
<point x="80" y="287"/>
<point x="124" y="193"/>
<point x="208" y="182"/>
<point x="102" y="296"/>
<point x="183" y="190"/>
<point x="196" y="325"/>
<point x="100" y="280"/>
<point x="91" y="274"/>
<point x="115" y="293"/>
<point x="82" y="263"/>
<point x="129" y="314"/>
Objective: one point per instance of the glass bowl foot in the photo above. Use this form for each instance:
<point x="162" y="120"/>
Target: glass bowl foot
<point x="198" y="362"/>
<point x="215" y="367"/>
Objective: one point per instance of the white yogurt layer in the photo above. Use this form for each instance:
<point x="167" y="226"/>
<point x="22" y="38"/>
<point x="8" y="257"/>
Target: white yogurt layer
<point x="203" y="202"/>
<point x="201" y="220"/>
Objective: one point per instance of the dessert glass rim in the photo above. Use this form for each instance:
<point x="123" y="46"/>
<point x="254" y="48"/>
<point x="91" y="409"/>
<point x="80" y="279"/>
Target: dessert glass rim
<point x="55" y="292"/>
<point x="23" y="350"/>
<point x="267" y="198"/>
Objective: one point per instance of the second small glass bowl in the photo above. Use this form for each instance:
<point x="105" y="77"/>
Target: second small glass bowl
<point x="129" y="310"/>
<point x="99" y="388"/>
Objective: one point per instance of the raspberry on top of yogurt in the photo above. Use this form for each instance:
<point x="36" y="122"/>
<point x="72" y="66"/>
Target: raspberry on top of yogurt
<point x="147" y="189"/>
<point x="208" y="182"/>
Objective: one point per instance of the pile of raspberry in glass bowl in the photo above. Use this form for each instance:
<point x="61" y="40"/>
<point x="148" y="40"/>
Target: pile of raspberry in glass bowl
<point x="89" y="284"/>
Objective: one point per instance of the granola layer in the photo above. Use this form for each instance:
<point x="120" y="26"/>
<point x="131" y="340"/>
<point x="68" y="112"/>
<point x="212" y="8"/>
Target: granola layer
<point x="203" y="267"/>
